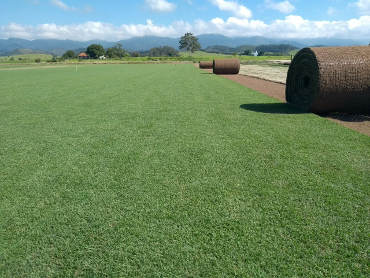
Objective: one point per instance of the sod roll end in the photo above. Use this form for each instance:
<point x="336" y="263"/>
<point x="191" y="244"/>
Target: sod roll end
<point x="330" y="79"/>
<point x="205" y="64"/>
<point x="227" y="66"/>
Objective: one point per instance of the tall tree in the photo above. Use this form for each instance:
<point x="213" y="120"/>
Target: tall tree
<point x="70" y="54"/>
<point x="189" y="42"/>
<point x="163" y="51"/>
<point x="116" y="51"/>
<point x="95" y="51"/>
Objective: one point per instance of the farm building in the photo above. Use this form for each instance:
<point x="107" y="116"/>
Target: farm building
<point x="83" y="55"/>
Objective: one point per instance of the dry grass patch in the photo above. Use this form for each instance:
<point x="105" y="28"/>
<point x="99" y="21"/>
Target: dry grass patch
<point x="272" y="73"/>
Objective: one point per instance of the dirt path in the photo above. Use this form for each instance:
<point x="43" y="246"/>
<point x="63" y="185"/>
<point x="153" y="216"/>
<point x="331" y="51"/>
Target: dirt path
<point x="360" y="123"/>
<point x="272" y="89"/>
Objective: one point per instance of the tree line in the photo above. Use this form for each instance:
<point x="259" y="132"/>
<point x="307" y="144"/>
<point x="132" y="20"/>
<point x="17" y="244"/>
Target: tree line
<point x="270" y="49"/>
<point x="187" y="42"/>
<point x="94" y="51"/>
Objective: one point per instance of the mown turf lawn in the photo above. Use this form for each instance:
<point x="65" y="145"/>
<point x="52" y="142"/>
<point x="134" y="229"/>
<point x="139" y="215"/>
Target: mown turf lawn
<point x="165" y="171"/>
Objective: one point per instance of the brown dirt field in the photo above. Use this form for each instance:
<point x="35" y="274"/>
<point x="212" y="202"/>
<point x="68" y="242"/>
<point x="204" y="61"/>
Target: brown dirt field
<point x="281" y="62"/>
<point x="272" y="89"/>
<point x="360" y="123"/>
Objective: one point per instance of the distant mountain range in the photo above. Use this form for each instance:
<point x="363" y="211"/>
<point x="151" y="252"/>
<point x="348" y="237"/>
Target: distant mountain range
<point x="58" y="47"/>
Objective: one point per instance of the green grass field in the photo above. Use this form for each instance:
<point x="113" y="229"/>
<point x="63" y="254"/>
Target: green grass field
<point x="25" y="58"/>
<point x="167" y="171"/>
<point x="183" y="57"/>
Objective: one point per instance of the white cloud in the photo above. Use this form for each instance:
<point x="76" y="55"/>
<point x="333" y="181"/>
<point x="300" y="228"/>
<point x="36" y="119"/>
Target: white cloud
<point x="284" y="7"/>
<point x="233" y="7"/>
<point x="290" y="27"/>
<point x="297" y="27"/>
<point x="92" y="30"/>
<point x="61" y="5"/>
<point x="160" y="5"/>
<point x="363" y="6"/>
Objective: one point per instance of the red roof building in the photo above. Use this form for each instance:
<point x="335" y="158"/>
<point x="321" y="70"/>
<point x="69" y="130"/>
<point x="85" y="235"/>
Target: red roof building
<point x="83" y="55"/>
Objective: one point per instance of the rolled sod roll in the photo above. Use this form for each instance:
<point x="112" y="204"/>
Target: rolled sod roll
<point x="330" y="79"/>
<point x="228" y="66"/>
<point x="205" y="64"/>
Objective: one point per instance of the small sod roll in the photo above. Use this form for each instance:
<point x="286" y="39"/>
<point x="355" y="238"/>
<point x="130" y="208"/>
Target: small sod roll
<point x="228" y="66"/>
<point x="205" y="64"/>
<point x="330" y="79"/>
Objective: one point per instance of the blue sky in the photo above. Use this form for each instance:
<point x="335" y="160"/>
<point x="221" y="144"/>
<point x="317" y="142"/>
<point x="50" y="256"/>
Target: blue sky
<point x="119" y="19"/>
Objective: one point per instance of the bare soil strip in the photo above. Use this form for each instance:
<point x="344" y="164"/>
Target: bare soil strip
<point x="272" y="89"/>
<point x="281" y="62"/>
<point x="360" y="123"/>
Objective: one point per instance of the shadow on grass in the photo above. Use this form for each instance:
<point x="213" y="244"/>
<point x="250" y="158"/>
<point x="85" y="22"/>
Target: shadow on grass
<point x="272" y="108"/>
<point x="286" y="108"/>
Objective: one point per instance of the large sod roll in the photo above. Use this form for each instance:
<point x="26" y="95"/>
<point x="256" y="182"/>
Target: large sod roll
<point x="228" y="66"/>
<point x="205" y="64"/>
<point x="330" y="79"/>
